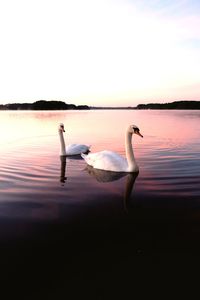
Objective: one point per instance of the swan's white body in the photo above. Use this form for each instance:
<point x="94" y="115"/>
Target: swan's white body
<point x="111" y="161"/>
<point x="75" y="149"/>
<point x="106" y="160"/>
<point x="72" y="149"/>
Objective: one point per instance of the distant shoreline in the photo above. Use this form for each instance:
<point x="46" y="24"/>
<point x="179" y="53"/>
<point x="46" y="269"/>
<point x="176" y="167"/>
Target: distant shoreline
<point x="43" y="105"/>
<point x="60" y="105"/>
<point x="186" y="104"/>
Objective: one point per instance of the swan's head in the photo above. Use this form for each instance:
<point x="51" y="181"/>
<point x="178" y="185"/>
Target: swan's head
<point x="134" y="129"/>
<point x="61" y="127"/>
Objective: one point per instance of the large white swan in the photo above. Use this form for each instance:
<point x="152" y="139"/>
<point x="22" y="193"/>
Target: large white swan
<point x="111" y="161"/>
<point x="72" y="149"/>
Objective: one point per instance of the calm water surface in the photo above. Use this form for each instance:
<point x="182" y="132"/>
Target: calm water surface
<point x="159" y="207"/>
<point x="31" y="169"/>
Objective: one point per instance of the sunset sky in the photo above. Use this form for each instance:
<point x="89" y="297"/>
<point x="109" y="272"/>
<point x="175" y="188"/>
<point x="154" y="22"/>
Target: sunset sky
<point x="99" y="52"/>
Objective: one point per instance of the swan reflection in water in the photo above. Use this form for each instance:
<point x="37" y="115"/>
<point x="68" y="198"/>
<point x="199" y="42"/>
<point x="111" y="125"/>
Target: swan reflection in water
<point x="108" y="176"/>
<point x="104" y="176"/>
<point x="63" y="160"/>
<point x="63" y="178"/>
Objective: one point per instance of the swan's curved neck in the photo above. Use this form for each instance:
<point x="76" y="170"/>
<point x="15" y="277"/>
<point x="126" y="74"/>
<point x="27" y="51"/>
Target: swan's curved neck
<point x="62" y="143"/>
<point x="132" y="166"/>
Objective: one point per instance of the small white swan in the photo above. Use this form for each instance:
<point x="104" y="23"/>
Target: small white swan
<point x="72" y="149"/>
<point x="111" y="161"/>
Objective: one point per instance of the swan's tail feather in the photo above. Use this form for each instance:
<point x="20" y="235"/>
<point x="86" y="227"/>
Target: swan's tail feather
<point x="83" y="155"/>
<point x="87" y="150"/>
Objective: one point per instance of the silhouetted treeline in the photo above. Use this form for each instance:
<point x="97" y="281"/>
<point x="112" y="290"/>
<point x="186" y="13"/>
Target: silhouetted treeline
<point x="172" y="105"/>
<point x="42" y="105"/>
<point x="60" y="105"/>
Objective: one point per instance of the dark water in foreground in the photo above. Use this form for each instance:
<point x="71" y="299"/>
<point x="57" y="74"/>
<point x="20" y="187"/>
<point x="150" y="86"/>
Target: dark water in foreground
<point x="68" y="232"/>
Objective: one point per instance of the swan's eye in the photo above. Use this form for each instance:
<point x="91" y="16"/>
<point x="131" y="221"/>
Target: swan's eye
<point x="136" y="130"/>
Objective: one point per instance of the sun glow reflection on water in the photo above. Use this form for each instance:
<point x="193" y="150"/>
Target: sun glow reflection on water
<point x="31" y="167"/>
<point x="67" y="224"/>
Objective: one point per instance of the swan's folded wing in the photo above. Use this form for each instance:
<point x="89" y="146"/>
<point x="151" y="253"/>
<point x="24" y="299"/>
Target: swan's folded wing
<point x="90" y="158"/>
<point x="107" y="160"/>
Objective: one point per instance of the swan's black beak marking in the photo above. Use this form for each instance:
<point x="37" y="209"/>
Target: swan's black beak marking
<point x="62" y="127"/>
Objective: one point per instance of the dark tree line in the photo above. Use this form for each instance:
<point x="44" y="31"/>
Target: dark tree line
<point x="42" y="105"/>
<point x="60" y="105"/>
<point x="172" y="105"/>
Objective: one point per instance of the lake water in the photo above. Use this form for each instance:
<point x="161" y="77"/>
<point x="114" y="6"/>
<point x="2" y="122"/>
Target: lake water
<point x="51" y="203"/>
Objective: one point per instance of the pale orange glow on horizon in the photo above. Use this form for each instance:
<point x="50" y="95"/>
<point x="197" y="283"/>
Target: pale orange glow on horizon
<point x="100" y="53"/>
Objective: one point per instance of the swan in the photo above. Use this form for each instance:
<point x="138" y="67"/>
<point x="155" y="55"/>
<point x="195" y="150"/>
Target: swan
<point x="72" y="149"/>
<point x="111" y="161"/>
